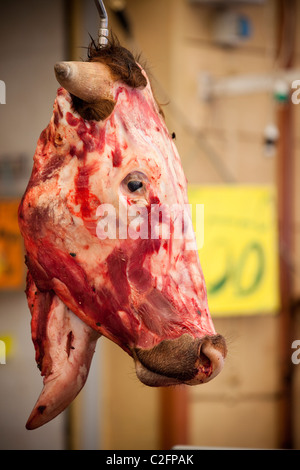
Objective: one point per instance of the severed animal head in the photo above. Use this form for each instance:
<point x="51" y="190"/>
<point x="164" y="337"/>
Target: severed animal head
<point x="107" y="231"/>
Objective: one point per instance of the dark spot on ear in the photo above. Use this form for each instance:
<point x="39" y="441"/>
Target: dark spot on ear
<point x="70" y="339"/>
<point x="41" y="409"/>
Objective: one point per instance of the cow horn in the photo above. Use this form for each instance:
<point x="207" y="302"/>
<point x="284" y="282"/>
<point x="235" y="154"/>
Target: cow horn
<point x="89" y="81"/>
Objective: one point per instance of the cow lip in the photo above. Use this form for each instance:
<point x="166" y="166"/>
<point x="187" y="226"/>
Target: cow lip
<point x="156" y="379"/>
<point x="185" y="360"/>
<point x="151" y="378"/>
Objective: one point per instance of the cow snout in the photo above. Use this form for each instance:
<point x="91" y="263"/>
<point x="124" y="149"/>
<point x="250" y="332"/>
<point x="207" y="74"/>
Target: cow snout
<point x="185" y="360"/>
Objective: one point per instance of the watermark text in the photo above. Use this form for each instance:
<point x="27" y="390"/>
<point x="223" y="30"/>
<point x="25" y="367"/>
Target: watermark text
<point x="296" y="354"/>
<point x="2" y="352"/>
<point x="296" y="94"/>
<point x="2" y="92"/>
<point x="157" y="221"/>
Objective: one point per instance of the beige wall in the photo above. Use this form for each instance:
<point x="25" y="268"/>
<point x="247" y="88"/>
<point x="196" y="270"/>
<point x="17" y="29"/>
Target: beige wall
<point x="240" y="408"/>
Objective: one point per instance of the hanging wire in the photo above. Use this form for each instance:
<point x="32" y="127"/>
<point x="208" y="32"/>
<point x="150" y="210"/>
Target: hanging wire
<point x="103" y="30"/>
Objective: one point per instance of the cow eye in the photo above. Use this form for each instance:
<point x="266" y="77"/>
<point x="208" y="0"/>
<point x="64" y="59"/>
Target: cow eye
<point x="134" y="185"/>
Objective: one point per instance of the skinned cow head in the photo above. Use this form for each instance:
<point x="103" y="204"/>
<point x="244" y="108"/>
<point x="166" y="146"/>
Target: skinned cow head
<point x="107" y="234"/>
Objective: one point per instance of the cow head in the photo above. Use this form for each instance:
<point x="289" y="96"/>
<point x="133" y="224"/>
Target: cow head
<point x="108" y="236"/>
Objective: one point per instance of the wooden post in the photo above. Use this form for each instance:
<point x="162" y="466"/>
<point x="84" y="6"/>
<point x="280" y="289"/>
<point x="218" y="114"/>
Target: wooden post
<point x="285" y="194"/>
<point x="173" y="416"/>
<point x="285" y="241"/>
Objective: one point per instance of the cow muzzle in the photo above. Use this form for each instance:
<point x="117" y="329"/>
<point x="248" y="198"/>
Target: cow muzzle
<point x="184" y="360"/>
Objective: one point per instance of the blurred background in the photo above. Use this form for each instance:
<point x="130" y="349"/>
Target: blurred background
<point x="224" y="72"/>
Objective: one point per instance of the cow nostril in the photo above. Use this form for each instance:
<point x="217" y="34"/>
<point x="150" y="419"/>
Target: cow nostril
<point x="211" y="356"/>
<point x="203" y="359"/>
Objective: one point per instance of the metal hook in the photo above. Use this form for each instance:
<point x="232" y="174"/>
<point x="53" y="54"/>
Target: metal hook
<point x="103" y="30"/>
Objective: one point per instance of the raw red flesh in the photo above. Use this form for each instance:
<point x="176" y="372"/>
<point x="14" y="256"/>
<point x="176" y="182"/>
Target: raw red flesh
<point x="135" y="292"/>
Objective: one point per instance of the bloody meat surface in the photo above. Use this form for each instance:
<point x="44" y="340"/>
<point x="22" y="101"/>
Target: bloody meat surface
<point x="105" y="169"/>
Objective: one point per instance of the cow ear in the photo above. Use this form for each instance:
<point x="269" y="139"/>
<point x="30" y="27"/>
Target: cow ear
<point x="89" y="81"/>
<point x="97" y="111"/>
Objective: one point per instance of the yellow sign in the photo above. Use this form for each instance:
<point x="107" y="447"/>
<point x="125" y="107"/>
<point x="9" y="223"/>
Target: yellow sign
<point x="11" y="247"/>
<point x="239" y="256"/>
